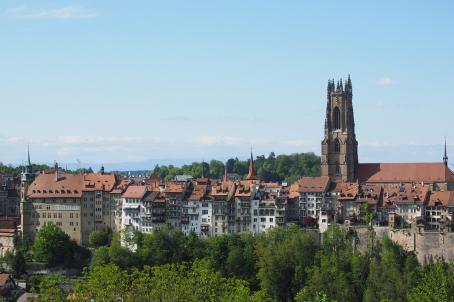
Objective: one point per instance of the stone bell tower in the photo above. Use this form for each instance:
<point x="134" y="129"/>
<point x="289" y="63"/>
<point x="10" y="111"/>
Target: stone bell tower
<point x="339" y="146"/>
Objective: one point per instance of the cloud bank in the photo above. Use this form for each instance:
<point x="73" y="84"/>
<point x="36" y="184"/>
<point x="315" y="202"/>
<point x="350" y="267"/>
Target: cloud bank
<point x="386" y="81"/>
<point x="65" y="12"/>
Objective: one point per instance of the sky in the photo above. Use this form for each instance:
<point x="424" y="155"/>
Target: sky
<point x="133" y="81"/>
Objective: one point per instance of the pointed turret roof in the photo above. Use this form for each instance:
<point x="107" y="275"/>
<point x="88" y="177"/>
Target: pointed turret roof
<point x="251" y="175"/>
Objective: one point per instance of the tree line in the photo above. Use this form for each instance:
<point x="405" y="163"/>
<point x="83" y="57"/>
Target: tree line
<point x="279" y="168"/>
<point x="284" y="264"/>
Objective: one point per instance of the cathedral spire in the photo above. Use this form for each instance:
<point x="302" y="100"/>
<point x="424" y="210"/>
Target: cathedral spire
<point x="445" y="156"/>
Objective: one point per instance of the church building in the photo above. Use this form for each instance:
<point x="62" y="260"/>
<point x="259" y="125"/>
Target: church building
<point x="339" y="157"/>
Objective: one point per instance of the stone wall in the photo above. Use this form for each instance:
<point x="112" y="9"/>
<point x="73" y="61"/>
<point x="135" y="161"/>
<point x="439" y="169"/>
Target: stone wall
<point x="427" y="245"/>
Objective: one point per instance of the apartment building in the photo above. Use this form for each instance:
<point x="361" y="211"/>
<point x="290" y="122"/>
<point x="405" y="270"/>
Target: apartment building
<point x="77" y="203"/>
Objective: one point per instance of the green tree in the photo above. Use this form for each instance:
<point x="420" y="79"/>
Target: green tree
<point x="100" y="257"/>
<point x="100" y="237"/>
<point x="284" y="255"/>
<point x="120" y="255"/>
<point x="164" y="246"/>
<point x="216" y="169"/>
<point x="15" y="261"/>
<point x="170" y="282"/>
<point x="436" y="284"/>
<point x="50" y="288"/>
<point x="391" y="273"/>
<point x="104" y="283"/>
<point x="52" y="245"/>
<point x="338" y="265"/>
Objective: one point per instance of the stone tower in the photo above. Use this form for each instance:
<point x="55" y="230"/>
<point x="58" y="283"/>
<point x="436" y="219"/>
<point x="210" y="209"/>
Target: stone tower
<point x="339" y="146"/>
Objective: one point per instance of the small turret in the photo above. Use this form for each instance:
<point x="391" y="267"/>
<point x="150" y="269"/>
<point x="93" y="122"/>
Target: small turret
<point x="27" y="172"/>
<point x="250" y="175"/>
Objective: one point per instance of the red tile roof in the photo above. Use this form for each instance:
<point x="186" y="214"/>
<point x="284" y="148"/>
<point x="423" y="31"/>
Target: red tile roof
<point x="48" y="186"/>
<point x="405" y="193"/>
<point x="66" y="185"/>
<point x="99" y="182"/>
<point x="135" y="192"/>
<point x="404" y="172"/>
<point x="445" y="198"/>
<point x="174" y="187"/>
<point x="221" y="188"/>
<point x="346" y="190"/>
<point x="314" y="184"/>
<point x="198" y="193"/>
<point x="243" y="188"/>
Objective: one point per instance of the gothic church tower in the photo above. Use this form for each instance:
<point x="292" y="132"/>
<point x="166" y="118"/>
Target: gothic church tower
<point x="339" y="146"/>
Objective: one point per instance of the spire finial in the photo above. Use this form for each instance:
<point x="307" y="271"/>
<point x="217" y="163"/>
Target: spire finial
<point x="445" y="156"/>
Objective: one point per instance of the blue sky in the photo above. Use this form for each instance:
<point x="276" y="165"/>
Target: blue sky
<point x="120" y="81"/>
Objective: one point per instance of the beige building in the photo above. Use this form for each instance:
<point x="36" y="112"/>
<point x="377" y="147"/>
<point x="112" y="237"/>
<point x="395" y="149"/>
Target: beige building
<point x="77" y="203"/>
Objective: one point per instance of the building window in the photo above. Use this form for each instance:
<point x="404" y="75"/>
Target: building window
<point x="337" y="147"/>
<point x="336" y="118"/>
<point x="338" y="170"/>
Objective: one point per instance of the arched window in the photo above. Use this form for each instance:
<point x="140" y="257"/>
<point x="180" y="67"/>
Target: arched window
<point x="338" y="169"/>
<point x="337" y="147"/>
<point x="336" y="118"/>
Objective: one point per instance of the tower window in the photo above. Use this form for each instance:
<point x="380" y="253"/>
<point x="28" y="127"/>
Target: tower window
<point x="338" y="170"/>
<point x="336" y="118"/>
<point x="337" y="147"/>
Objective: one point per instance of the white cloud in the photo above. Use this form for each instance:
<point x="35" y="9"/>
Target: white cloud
<point x="66" y="12"/>
<point x="98" y="140"/>
<point x="230" y="141"/>
<point x="386" y="81"/>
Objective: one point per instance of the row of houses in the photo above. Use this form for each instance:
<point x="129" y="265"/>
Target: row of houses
<point x="206" y="207"/>
<point x="81" y="203"/>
